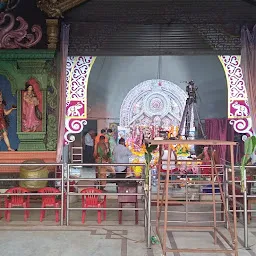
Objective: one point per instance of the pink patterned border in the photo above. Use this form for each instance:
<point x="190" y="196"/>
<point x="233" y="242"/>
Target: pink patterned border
<point x="78" y="71"/>
<point x="238" y="108"/>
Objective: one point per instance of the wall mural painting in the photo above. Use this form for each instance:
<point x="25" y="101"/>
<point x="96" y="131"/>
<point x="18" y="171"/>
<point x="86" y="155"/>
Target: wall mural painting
<point x="32" y="105"/>
<point x="8" y="117"/>
<point x="78" y="71"/>
<point x="238" y="107"/>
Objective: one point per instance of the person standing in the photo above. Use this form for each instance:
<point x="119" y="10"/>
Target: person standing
<point x="111" y="143"/>
<point x="121" y="156"/>
<point x="88" y="147"/>
<point x="97" y="139"/>
<point x="103" y="158"/>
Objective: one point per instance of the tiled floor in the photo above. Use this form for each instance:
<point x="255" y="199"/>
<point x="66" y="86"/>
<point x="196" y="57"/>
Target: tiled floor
<point x="105" y="241"/>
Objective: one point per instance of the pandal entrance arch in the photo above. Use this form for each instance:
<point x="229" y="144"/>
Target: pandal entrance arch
<point x="149" y="110"/>
<point x="78" y="71"/>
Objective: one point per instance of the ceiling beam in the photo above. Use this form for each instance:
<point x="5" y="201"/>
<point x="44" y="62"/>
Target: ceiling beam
<point x="56" y="8"/>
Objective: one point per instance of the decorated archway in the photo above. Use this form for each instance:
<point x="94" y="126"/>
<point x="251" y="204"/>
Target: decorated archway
<point x="238" y="107"/>
<point x="138" y="109"/>
<point x="78" y="70"/>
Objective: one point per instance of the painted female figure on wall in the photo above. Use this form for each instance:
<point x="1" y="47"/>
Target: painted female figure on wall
<point x="32" y="107"/>
<point x="4" y="122"/>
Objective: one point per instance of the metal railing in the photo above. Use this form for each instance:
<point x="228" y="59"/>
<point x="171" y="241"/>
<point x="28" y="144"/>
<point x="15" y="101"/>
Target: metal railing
<point x="244" y="197"/>
<point x="65" y="178"/>
<point x="193" y="190"/>
<point x="61" y="193"/>
<point x="145" y="193"/>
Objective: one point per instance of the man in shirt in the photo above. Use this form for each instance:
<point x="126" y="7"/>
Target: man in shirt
<point x="88" y="147"/>
<point x="121" y="156"/>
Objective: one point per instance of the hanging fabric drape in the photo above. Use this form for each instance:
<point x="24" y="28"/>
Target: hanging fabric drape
<point x="64" y="42"/>
<point x="216" y="129"/>
<point x="248" y="64"/>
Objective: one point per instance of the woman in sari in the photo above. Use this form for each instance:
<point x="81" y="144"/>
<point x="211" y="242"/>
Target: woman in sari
<point x="111" y="144"/>
<point x="32" y="116"/>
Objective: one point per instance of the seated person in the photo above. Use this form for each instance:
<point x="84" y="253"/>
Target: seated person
<point x="103" y="158"/>
<point x="121" y="156"/>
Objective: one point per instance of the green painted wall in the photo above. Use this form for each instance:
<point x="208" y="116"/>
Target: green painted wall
<point x="18" y="66"/>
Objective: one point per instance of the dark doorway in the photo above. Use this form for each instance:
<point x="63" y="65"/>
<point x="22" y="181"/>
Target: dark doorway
<point x="91" y="125"/>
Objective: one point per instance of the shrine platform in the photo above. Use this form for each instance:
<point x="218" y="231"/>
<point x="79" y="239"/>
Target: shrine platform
<point x="18" y="157"/>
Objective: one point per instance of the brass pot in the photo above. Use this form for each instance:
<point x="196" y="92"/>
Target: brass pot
<point x="35" y="171"/>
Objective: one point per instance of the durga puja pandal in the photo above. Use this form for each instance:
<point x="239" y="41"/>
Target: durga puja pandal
<point x="135" y="137"/>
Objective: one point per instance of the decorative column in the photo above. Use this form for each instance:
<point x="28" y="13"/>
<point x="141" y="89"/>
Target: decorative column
<point x="52" y="32"/>
<point x="54" y="10"/>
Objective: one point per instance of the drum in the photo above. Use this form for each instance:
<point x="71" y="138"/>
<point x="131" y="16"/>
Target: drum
<point x="33" y="171"/>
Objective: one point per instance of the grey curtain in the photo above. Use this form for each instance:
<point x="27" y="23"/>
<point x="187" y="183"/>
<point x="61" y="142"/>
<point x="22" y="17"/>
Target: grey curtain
<point x="248" y="64"/>
<point x="64" y="42"/>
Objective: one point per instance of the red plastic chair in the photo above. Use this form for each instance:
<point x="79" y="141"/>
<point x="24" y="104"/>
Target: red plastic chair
<point x="93" y="201"/>
<point x="49" y="201"/>
<point x="16" y="200"/>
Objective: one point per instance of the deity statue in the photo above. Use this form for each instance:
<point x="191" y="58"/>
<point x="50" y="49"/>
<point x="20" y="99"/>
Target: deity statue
<point x="31" y="107"/>
<point x="4" y="122"/>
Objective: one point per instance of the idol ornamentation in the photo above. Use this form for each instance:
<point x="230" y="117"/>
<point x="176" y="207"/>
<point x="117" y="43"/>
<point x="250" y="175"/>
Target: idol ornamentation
<point x="31" y="107"/>
<point x="4" y="121"/>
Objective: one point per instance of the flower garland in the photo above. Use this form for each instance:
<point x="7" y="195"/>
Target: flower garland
<point x="136" y="150"/>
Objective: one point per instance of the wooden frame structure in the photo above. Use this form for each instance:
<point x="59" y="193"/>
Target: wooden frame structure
<point x="164" y="201"/>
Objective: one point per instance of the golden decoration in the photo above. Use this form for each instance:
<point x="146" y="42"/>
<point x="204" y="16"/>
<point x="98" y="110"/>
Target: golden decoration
<point x="56" y="8"/>
<point x="52" y="32"/>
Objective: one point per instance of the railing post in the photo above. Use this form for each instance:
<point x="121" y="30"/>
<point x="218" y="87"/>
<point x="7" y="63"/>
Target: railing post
<point x="149" y="211"/>
<point x="245" y="212"/>
<point x="67" y="208"/>
<point x="226" y="182"/>
<point x="62" y="197"/>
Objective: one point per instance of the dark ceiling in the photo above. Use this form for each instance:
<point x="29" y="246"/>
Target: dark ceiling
<point x="151" y="27"/>
<point x="166" y="27"/>
<point x="164" y="11"/>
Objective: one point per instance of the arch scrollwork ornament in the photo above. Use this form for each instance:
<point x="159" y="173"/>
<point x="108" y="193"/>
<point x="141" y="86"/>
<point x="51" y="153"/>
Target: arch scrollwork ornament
<point x="78" y="71"/>
<point x="238" y="107"/>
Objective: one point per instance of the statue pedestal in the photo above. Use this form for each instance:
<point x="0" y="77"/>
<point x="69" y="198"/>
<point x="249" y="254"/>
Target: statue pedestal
<point x="31" y="141"/>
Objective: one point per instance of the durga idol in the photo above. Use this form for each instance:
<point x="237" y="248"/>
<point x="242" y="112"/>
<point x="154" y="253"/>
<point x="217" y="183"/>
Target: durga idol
<point x="4" y="123"/>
